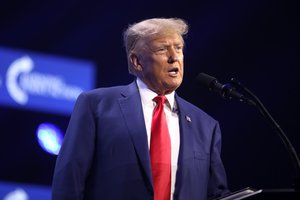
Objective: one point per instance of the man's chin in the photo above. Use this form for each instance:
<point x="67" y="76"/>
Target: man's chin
<point x="173" y="87"/>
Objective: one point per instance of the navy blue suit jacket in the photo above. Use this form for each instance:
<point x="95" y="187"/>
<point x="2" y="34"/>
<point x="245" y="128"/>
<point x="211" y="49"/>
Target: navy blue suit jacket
<point x="105" y="152"/>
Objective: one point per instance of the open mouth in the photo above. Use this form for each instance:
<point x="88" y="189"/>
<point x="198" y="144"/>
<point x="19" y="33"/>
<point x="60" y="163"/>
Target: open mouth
<point x="173" y="71"/>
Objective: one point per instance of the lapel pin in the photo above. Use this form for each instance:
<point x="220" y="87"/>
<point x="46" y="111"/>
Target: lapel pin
<point x="188" y="118"/>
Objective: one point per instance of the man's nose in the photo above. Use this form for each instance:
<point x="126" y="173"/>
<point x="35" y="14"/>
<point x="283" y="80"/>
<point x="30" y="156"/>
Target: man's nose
<point x="172" y="59"/>
<point x="173" y="56"/>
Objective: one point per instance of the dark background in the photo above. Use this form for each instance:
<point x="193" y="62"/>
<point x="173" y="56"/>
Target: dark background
<point x="256" y="41"/>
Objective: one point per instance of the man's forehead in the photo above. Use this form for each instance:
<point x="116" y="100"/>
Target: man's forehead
<point x="163" y="38"/>
<point x="159" y="38"/>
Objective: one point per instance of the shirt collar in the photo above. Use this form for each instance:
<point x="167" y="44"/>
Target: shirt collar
<point x="148" y="95"/>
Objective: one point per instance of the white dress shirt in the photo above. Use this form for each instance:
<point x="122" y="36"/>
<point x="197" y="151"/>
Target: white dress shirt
<point x="170" y="109"/>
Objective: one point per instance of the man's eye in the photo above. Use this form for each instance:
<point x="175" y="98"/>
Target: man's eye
<point x="161" y="49"/>
<point x="179" y="47"/>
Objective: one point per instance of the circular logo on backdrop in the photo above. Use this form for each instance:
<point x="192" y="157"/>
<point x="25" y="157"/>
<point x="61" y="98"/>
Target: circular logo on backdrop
<point x="20" y="66"/>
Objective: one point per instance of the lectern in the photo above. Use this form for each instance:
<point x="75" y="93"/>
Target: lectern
<point x="276" y="194"/>
<point x="263" y="194"/>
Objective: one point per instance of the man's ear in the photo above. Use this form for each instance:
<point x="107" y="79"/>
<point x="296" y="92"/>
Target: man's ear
<point x="135" y="62"/>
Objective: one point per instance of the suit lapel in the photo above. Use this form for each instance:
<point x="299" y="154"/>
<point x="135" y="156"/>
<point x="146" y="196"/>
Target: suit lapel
<point x="186" y="142"/>
<point x="186" y="133"/>
<point x="131" y="107"/>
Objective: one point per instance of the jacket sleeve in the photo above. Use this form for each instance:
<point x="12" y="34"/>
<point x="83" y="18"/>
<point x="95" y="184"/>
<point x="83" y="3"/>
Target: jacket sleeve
<point x="217" y="185"/>
<point x="76" y="153"/>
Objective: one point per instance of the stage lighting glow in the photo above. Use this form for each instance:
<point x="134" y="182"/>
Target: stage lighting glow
<point x="49" y="137"/>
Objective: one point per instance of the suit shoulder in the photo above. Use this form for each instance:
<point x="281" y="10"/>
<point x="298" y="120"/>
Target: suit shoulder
<point x="107" y="92"/>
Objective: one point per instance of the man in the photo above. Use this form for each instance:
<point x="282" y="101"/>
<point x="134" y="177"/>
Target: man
<point x="109" y="149"/>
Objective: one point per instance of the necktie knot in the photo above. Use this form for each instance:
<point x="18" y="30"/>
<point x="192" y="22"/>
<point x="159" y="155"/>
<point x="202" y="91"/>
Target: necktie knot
<point x="160" y="100"/>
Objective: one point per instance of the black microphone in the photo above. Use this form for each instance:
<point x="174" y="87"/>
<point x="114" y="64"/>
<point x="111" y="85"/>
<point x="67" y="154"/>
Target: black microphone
<point x="228" y="91"/>
<point x="225" y="90"/>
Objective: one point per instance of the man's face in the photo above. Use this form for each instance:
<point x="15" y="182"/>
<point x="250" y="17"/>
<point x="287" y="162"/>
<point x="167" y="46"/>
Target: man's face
<point x="160" y="61"/>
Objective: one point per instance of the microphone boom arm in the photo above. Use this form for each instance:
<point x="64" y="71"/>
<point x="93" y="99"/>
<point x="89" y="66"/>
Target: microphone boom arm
<point x="267" y="116"/>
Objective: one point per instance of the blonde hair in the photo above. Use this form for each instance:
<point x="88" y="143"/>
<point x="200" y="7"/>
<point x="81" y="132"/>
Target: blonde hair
<point x="150" y="27"/>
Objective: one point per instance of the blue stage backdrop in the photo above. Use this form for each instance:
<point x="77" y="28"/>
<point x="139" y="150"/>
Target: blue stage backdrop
<point x="19" y="191"/>
<point x="42" y="82"/>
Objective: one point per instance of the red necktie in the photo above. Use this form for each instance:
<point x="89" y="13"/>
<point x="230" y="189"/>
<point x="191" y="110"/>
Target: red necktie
<point x="160" y="151"/>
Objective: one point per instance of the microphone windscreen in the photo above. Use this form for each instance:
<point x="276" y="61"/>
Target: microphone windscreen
<point x="206" y="79"/>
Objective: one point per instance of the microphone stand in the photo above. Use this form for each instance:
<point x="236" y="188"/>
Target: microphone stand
<point x="267" y="116"/>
